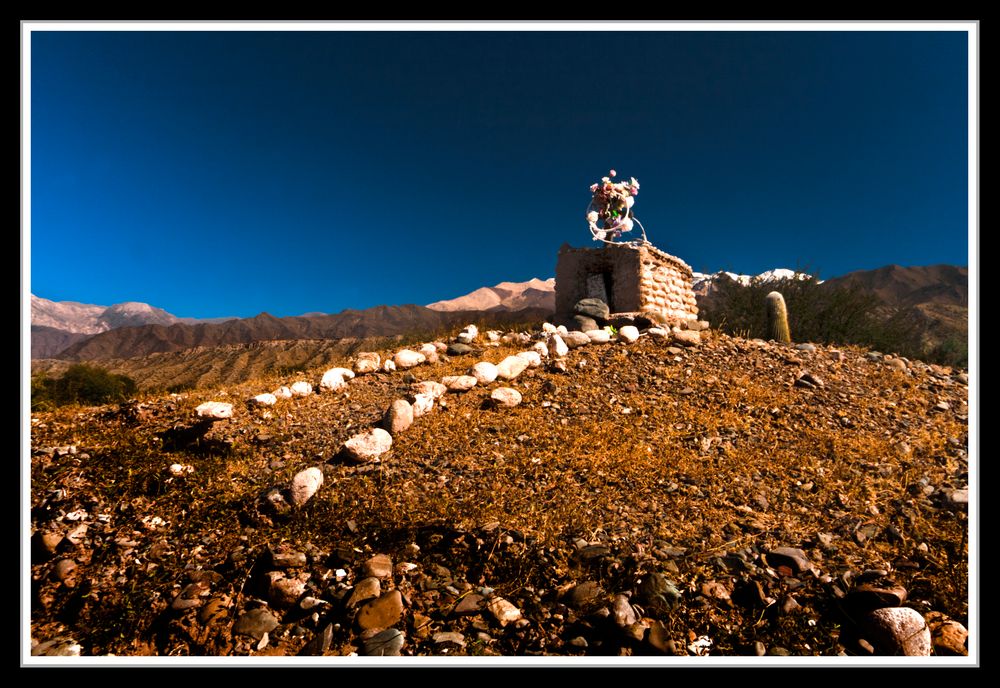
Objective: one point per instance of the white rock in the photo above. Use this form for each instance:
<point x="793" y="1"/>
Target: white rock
<point x="549" y="328"/>
<point x="301" y="389"/>
<point x="335" y="378"/>
<point x="558" y="346"/>
<point x="368" y="446"/>
<point x="441" y="347"/>
<point x="629" y="333"/>
<point x="459" y="383"/>
<point x="561" y="329"/>
<point x="422" y="404"/>
<point x="304" y="485"/>
<point x="493" y="335"/>
<point x="484" y="372"/>
<point x="511" y="367"/>
<point x="408" y="359"/>
<point x="265" y="399"/>
<point x="542" y="348"/>
<point x="179" y="469"/>
<point x="430" y="353"/>
<point x="472" y="329"/>
<point x="215" y="410"/>
<point x="431" y="387"/>
<point x="505" y="396"/>
<point x="398" y="417"/>
<point x="367" y="362"/>
<point x="898" y="631"/>
<point x="598" y="336"/>
<point x="389" y="366"/>
<point x="658" y="332"/>
<point x="575" y="339"/>
<point x="533" y="358"/>
<point x="503" y="611"/>
<point x="282" y="393"/>
<point x="465" y="338"/>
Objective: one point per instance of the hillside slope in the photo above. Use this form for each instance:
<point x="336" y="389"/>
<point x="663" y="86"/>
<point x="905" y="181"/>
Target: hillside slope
<point x="636" y="504"/>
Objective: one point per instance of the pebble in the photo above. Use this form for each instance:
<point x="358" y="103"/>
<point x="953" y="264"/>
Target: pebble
<point x="408" y="359"/>
<point x="387" y="643"/>
<point x="459" y="383"/>
<point x="305" y="484"/>
<point x="335" y="378"/>
<point x="57" y="647"/>
<point x="265" y="399"/>
<point x="947" y="634"/>
<point x="836" y="355"/>
<point x="365" y="589"/>
<point x="301" y="388"/>
<point x="431" y="387"/>
<point x="658" y="332"/>
<point x="422" y="404"/>
<point x="469" y="605"/>
<point x="809" y="381"/>
<point x="658" y="591"/>
<point x="503" y="611"/>
<point x="629" y="333"/>
<point x="796" y="559"/>
<point x="868" y="596"/>
<point x="214" y="410"/>
<point x="381" y="612"/>
<point x="598" y="336"/>
<point x="533" y="358"/>
<point x="459" y="349"/>
<point x="320" y="643"/>
<point x="379" y="566"/>
<point x="897" y="631"/>
<point x="557" y="346"/>
<point x="367" y="362"/>
<point x="449" y="637"/>
<point x="285" y="591"/>
<point x="542" y="349"/>
<point x="398" y="417"/>
<point x="389" y="366"/>
<point x="368" y="446"/>
<point x="511" y="367"/>
<point x="808" y="348"/>
<point x="255" y="623"/>
<point x="687" y="337"/>
<point x="282" y="393"/>
<point x="484" y="372"/>
<point x="549" y="328"/>
<point x="64" y="571"/>
<point x="430" y="353"/>
<point x="288" y="559"/>
<point x="574" y="340"/>
<point x="594" y="308"/>
<point x="897" y="364"/>
<point x="623" y="612"/>
<point x="583" y="594"/>
<point x="506" y="397"/>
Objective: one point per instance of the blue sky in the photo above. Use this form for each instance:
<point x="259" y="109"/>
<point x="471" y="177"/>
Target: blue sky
<point x="218" y="174"/>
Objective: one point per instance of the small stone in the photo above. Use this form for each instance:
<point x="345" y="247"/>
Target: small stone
<point x="716" y="590"/>
<point x="430" y="353"/>
<point x="579" y="642"/>
<point x="214" y="410"/>
<point x="533" y="358"/>
<point x="422" y="404"/>
<point x="629" y="333"/>
<point x="469" y="604"/>
<point x="541" y="348"/>
<point x="319" y="644"/>
<point x="255" y="623"/>
<point x="285" y="591"/>
<point x="594" y="308"/>
<point x="398" y="417"/>
<point x="387" y="643"/>
<point x="305" y="484"/>
<point x="367" y="362"/>
<point x="808" y="348"/>
<point x="687" y="338"/>
<point x="584" y="594"/>
<point x="216" y="609"/>
<point x="598" y="336"/>
<point x="657" y="332"/>
<point x="557" y="346"/>
<point x="942" y="406"/>
<point x="897" y="631"/>
<point x="584" y="323"/>
<point x="511" y="367"/>
<point x="794" y="558"/>
<point x="836" y="355"/>
<point x="867" y="596"/>
<point x="65" y="572"/>
<point x="367" y="446"/>
<point x="506" y="397"/>
<point x="758" y="648"/>
<point x="809" y="381"/>
<point x="459" y="383"/>
<point x="449" y="638"/>
<point x="265" y="399"/>
<point x="382" y="612"/>
<point x="365" y="589"/>
<point x="459" y="349"/>
<point x="301" y="389"/>
<point x="335" y="378"/>
<point x="659" y="639"/>
<point x="484" y="372"/>
<point x="282" y="393"/>
<point x="897" y="364"/>
<point x="948" y="636"/>
<point x="959" y="497"/>
<point x="549" y="328"/>
<point x="636" y="631"/>
<point x="623" y="612"/>
<point x="503" y="611"/>
<point x="379" y="566"/>
<point x="432" y="387"/>
<point x="57" y="647"/>
<point x="659" y="592"/>
<point x="388" y="366"/>
<point x="288" y="559"/>
<point x="408" y="359"/>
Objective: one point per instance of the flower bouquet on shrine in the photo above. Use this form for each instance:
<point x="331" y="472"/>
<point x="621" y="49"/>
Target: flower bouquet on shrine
<point x="609" y="214"/>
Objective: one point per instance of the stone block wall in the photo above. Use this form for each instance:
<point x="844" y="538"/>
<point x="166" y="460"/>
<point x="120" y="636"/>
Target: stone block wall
<point x="630" y="279"/>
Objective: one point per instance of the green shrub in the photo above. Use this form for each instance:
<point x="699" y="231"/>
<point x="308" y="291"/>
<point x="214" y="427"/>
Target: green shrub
<point x="80" y="384"/>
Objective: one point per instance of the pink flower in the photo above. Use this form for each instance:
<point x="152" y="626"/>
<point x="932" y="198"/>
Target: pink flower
<point x="612" y="173"/>
<point x="593" y="188"/>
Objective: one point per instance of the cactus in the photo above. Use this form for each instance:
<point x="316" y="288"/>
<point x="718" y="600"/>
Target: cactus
<point x="777" y="318"/>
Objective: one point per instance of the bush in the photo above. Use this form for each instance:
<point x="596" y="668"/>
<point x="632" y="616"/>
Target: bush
<point x="80" y="384"/>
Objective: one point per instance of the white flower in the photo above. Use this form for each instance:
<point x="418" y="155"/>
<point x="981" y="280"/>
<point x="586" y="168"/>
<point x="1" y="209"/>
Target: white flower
<point x="630" y="201"/>
<point x="626" y="225"/>
<point x="592" y="216"/>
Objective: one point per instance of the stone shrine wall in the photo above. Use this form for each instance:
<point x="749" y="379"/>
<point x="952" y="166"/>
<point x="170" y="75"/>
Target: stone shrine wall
<point x="630" y="279"/>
